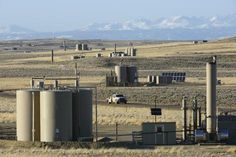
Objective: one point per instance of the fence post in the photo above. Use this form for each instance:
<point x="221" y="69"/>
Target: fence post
<point x="116" y="131"/>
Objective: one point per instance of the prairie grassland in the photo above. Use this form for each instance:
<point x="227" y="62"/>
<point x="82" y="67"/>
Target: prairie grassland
<point x="188" y="49"/>
<point x="16" y="69"/>
<point x="202" y="80"/>
<point x="109" y="115"/>
<point x="11" y="149"/>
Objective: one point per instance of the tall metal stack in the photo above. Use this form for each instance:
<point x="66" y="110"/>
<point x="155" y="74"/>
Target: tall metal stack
<point x="211" y="133"/>
<point x="211" y="99"/>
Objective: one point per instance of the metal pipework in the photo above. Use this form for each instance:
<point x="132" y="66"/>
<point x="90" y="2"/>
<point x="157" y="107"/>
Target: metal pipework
<point x="55" y="84"/>
<point x="184" y="116"/>
<point x="76" y="79"/>
<point x="211" y="97"/>
<point x="32" y="83"/>
<point x="199" y="117"/>
<point x="194" y="113"/>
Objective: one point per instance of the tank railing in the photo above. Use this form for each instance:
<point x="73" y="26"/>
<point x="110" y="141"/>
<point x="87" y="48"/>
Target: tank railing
<point x="54" y="78"/>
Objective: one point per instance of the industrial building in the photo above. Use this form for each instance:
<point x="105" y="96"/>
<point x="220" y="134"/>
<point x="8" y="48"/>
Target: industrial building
<point x="128" y="52"/>
<point x="57" y="114"/>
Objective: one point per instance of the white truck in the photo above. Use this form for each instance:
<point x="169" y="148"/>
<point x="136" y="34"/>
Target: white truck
<point x="117" y="98"/>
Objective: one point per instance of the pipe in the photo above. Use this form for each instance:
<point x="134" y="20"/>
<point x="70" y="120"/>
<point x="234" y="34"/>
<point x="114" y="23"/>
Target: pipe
<point x="199" y="117"/>
<point x="184" y="108"/>
<point x="194" y="113"/>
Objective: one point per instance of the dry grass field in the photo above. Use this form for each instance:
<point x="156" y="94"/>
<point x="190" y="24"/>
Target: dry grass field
<point x="24" y="149"/>
<point x="16" y="69"/>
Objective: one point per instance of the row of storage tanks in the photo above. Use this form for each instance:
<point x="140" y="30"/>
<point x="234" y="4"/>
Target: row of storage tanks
<point x="126" y="74"/>
<point x="54" y="115"/>
<point x="159" y="79"/>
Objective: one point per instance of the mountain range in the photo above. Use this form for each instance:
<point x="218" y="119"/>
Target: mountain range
<point x="172" y="28"/>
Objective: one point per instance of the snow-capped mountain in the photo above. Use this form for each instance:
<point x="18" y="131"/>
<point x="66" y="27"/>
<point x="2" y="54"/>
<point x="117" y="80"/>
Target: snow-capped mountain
<point x="172" y="28"/>
<point x="167" y="23"/>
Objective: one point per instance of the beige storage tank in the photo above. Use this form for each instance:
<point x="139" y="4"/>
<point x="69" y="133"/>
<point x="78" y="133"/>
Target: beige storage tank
<point x="56" y="115"/>
<point x="82" y="114"/>
<point x="28" y="115"/>
<point x="121" y="74"/>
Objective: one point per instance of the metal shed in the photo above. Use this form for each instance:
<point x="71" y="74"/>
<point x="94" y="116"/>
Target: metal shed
<point x="160" y="133"/>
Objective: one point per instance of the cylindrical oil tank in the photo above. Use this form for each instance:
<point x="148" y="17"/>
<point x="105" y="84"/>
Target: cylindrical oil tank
<point x="121" y="74"/>
<point x="77" y="47"/>
<point x="149" y="78"/>
<point x="28" y="115"/>
<point x="211" y="97"/>
<point x="133" y="52"/>
<point x="82" y="114"/>
<point x="154" y="79"/>
<point x="132" y="74"/>
<point x="56" y="115"/>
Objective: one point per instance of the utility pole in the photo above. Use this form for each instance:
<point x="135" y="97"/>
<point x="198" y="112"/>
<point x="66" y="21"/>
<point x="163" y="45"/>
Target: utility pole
<point x="64" y="45"/>
<point x="155" y="107"/>
<point x="52" y="56"/>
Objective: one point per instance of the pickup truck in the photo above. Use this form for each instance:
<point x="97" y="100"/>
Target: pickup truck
<point x="117" y="98"/>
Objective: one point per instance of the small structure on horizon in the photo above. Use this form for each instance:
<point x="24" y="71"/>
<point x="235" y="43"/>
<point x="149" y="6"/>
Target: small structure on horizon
<point x="81" y="47"/>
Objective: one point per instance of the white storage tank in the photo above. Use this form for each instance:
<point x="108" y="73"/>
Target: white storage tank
<point x="56" y="115"/>
<point x="82" y="114"/>
<point x="28" y="115"/>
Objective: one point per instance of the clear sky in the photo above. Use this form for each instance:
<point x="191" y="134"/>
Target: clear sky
<point x="56" y="15"/>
